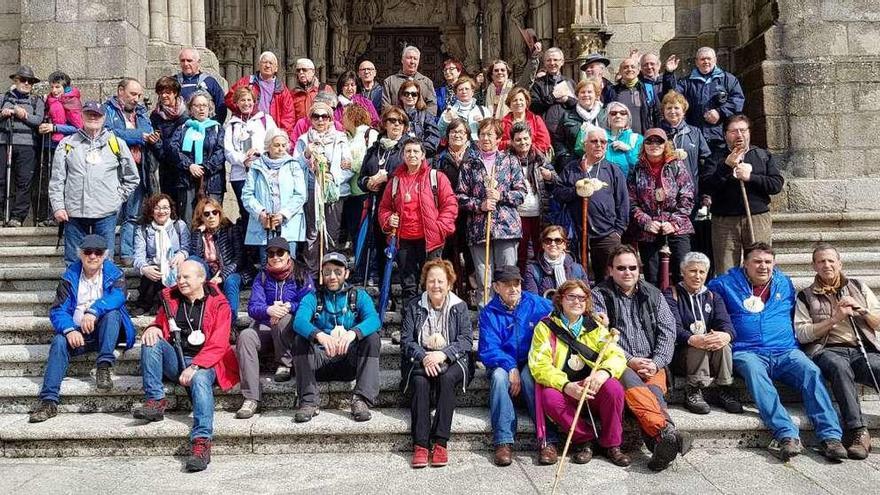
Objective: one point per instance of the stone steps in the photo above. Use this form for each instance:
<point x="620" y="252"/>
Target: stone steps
<point x="826" y="222"/>
<point x="274" y="432"/>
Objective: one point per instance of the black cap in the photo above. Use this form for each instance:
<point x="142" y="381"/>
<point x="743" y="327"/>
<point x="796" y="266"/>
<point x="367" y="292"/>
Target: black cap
<point x="26" y="73"/>
<point x="278" y="243"/>
<point x="93" y="107"/>
<point x="93" y="241"/>
<point x="506" y="274"/>
<point x="337" y="258"/>
<point x="595" y="57"/>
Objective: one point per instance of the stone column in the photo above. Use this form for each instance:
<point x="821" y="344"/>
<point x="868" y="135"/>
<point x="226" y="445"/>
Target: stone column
<point x="179" y="23"/>
<point x="197" y="19"/>
<point x="589" y="32"/>
<point x="159" y="20"/>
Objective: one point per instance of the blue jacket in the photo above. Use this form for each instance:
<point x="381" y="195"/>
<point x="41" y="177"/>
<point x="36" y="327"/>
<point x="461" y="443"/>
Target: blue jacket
<point x="770" y="330"/>
<point x="214" y="160"/>
<point x="308" y="322"/>
<point x="719" y="90"/>
<point x="257" y="196"/>
<point x="115" y="121"/>
<point x="505" y="334"/>
<point x="145" y="242"/>
<point x="189" y="85"/>
<point x="705" y="304"/>
<point x="266" y="289"/>
<point x="61" y="312"/>
<point x="626" y="160"/>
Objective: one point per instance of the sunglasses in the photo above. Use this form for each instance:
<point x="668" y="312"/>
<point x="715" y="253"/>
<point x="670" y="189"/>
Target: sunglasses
<point x="276" y="253"/>
<point x="618" y="112"/>
<point x="655" y="141"/>
<point x="321" y="116"/>
<point x="559" y="241"/>
<point x="93" y="252"/>
<point x="333" y="271"/>
<point x="211" y="213"/>
<point x="574" y="298"/>
<point x="623" y="268"/>
<point x="413" y="94"/>
<point x="393" y="120"/>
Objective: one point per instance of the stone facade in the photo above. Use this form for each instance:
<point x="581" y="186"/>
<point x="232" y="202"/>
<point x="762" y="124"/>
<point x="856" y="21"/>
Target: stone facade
<point x="10" y="35"/>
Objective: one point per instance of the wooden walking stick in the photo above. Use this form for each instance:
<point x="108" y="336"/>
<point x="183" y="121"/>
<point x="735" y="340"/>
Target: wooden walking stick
<point x="585" y="237"/>
<point x="585" y="188"/>
<point x="491" y="184"/>
<point x="742" y="187"/>
<point x="612" y="339"/>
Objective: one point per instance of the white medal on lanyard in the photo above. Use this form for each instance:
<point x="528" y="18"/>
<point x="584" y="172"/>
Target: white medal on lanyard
<point x="93" y="157"/>
<point x="576" y="363"/>
<point x="753" y="304"/>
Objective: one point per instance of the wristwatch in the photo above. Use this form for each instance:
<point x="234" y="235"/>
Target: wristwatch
<point x="195" y="367"/>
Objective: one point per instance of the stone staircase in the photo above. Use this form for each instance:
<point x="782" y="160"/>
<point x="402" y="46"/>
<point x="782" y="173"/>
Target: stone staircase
<point x="98" y="423"/>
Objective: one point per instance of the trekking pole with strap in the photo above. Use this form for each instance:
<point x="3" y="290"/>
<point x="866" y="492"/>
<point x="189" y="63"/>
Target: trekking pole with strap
<point x="40" y="166"/>
<point x="8" y="169"/>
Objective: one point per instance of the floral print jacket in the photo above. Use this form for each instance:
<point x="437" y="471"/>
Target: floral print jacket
<point x="471" y="192"/>
<point x="670" y="201"/>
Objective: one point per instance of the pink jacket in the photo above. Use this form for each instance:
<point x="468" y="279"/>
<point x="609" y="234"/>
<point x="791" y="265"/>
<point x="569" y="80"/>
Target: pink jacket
<point x="64" y="110"/>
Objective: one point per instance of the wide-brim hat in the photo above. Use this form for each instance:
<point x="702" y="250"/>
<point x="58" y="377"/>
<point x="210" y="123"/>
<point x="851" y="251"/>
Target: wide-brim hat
<point x="593" y="58"/>
<point x="26" y="73"/>
<point x="530" y="37"/>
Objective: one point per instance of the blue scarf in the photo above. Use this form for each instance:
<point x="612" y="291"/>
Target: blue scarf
<point x="194" y="139"/>
<point x="576" y="327"/>
<point x="696" y="74"/>
<point x="276" y="163"/>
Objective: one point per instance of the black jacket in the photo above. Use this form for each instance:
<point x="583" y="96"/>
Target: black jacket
<point x="370" y="165"/>
<point x="542" y="92"/>
<point x="717" y="180"/>
<point x="228" y="242"/>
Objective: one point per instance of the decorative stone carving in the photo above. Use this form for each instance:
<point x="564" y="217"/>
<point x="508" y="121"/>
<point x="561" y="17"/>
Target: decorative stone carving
<point x="339" y="46"/>
<point x="409" y="12"/>
<point x="542" y="19"/>
<point x="492" y="39"/>
<point x="367" y="12"/>
<point x="296" y="34"/>
<point x="451" y="44"/>
<point x="272" y="27"/>
<point x="515" y="12"/>
<point x="357" y="46"/>
<point x="469" y="13"/>
<point x="318" y="34"/>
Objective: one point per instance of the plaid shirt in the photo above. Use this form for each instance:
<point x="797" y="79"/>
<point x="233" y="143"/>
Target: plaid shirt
<point x="633" y="334"/>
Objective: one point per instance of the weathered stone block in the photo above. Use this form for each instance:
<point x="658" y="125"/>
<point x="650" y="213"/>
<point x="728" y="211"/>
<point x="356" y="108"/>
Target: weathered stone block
<point x="797" y="164"/>
<point x="814" y="72"/>
<point x="654" y="2"/>
<point x="776" y="132"/>
<point x="615" y="15"/>
<point x="872" y="163"/>
<point x="627" y="33"/>
<point x="813" y="132"/>
<point x="821" y="99"/>
<point x="66" y="10"/>
<point x="857" y="71"/>
<point x="794" y="10"/>
<point x="810" y="195"/>
<point x="644" y="14"/>
<point x="54" y="34"/>
<point x="10" y="26"/>
<point x="9" y="52"/>
<point x="106" y="62"/>
<point x="658" y="31"/>
<point x="10" y="6"/>
<point x="864" y="38"/>
<point x="776" y="100"/>
<point x="37" y="10"/>
<point x="104" y="10"/>
<point x="840" y="164"/>
<point x="778" y="72"/>
<point x="850" y="10"/>
<point x="861" y="130"/>
<point x="72" y="61"/>
<point x="42" y="60"/>
<point x="861" y="194"/>
<point x="867" y="98"/>
<point x="813" y="39"/>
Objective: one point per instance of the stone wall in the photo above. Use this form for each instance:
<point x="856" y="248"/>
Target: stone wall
<point x="10" y="35"/>
<point x="642" y="24"/>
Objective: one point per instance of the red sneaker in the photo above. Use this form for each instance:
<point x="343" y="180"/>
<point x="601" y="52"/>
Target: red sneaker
<point x="439" y="456"/>
<point x="419" y="457"/>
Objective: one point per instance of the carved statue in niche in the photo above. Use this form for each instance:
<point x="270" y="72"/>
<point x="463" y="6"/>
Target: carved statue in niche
<point x="492" y="39"/>
<point x="272" y="26"/>
<point x="367" y="12"/>
<point x="296" y="40"/>
<point x="318" y="33"/>
<point x="469" y="12"/>
<point x="451" y="45"/>
<point x="515" y="11"/>
<point x="542" y="20"/>
<point x="339" y="24"/>
<point x="407" y="12"/>
<point x="357" y="46"/>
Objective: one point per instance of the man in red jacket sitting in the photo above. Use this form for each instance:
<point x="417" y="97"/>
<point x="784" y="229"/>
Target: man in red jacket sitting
<point x="192" y="348"/>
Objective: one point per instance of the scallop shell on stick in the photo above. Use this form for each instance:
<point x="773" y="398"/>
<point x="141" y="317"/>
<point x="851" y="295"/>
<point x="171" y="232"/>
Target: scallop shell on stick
<point x="435" y="342"/>
<point x="337" y="332"/>
<point x="587" y="186"/>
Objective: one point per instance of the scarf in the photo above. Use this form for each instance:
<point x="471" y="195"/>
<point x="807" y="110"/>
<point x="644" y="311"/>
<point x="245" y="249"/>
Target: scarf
<point x="437" y="323"/>
<point x="558" y="267"/>
<point x="194" y="139"/>
<point x="589" y="115"/>
<point x="275" y="163"/>
<point x="211" y="251"/>
<point x="267" y="91"/>
<point x="322" y="139"/>
<point x="387" y="143"/>
<point x="280" y="273"/>
<point x="820" y="287"/>
<point x="173" y="112"/>
<point x="464" y="109"/>
<point x="164" y="252"/>
<point x="573" y="327"/>
<point x="655" y="168"/>
<point x="630" y="84"/>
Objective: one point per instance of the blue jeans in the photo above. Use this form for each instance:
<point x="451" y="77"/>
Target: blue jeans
<point x="501" y="409"/>
<point x="128" y="217"/>
<point x="160" y="361"/>
<point x="103" y="339"/>
<point x="77" y="228"/>
<point x="796" y="370"/>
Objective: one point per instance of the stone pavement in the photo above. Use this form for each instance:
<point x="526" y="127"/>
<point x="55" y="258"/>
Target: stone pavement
<point x="703" y="471"/>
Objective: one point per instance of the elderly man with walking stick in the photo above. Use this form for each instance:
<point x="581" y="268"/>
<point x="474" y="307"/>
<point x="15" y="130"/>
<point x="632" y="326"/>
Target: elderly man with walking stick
<point x="740" y="179"/>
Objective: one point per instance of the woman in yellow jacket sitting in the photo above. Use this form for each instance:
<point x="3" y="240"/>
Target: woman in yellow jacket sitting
<point x="564" y="348"/>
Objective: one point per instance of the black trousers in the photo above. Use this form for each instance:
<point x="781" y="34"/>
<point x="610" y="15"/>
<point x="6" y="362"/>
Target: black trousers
<point x="844" y="367"/>
<point x="650" y="253"/>
<point x="40" y="189"/>
<point x="360" y="363"/>
<point x="410" y="258"/>
<point x="600" y="249"/>
<point x="424" y="432"/>
<point x="148" y="294"/>
<point x="24" y="158"/>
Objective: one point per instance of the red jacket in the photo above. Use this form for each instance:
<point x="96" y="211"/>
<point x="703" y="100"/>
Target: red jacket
<point x="216" y="352"/>
<point x="438" y="221"/>
<point x="303" y="99"/>
<point x="540" y="134"/>
<point x="281" y="108"/>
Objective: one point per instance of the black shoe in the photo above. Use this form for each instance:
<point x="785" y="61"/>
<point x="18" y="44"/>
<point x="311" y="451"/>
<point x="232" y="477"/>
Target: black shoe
<point x="282" y="374"/>
<point x="305" y="413"/>
<point x="857" y="443"/>
<point x="360" y="411"/>
<point x="46" y="409"/>
<point x="694" y="401"/>
<point x="786" y="448"/>
<point x="833" y="450"/>
<point x="200" y="455"/>
<point x="729" y="400"/>
<point x="152" y="410"/>
<point x="102" y="378"/>
<point x="665" y="449"/>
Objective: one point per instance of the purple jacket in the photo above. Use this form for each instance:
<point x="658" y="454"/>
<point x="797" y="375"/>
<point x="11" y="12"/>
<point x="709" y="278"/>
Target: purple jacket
<point x="265" y="289"/>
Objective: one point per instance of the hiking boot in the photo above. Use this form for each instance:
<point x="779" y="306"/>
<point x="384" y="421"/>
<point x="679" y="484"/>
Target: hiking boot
<point x="786" y="448"/>
<point x="582" y="454"/>
<point x="857" y="443"/>
<point x="419" y="457"/>
<point x="833" y="450"/>
<point x="305" y="413"/>
<point x="152" y="410"/>
<point x="694" y="401"/>
<point x="666" y="447"/>
<point x="360" y="411"/>
<point x="548" y="455"/>
<point x="13" y="223"/>
<point x="46" y="409"/>
<point x="504" y="454"/>
<point x="200" y="455"/>
<point x="617" y="457"/>
<point x="439" y="456"/>
<point x="282" y="374"/>
<point x="685" y="442"/>
<point x="729" y="400"/>
<point x="395" y="337"/>
<point x="102" y="378"/>
<point x="248" y="409"/>
<point x="137" y="311"/>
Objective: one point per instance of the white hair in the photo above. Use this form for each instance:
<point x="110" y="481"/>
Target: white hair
<point x="276" y="132"/>
<point x="706" y="50"/>
<point x="269" y="55"/>
<point x="694" y="257"/>
<point x="204" y="94"/>
<point x="590" y="129"/>
<point x="621" y="105"/>
<point x="554" y="49"/>
<point x="410" y="48"/>
<point x="196" y="55"/>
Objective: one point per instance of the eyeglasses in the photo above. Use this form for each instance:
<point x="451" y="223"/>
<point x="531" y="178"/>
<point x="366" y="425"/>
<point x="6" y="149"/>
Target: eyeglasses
<point x="600" y="142"/>
<point x="393" y="120"/>
<point x="333" y="271"/>
<point x="320" y="116"/>
<point x="618" y="112"/>
<point x="559" y="241"/>
<point x="499" y="70"/>
<point x="25" y="81"/>
<point x="623" y="268"/>
<point x="412" y="94"/>
<point x="458" y="132"/>
<point x="574" y="298"/>
<point x="450" y="68"/>
<point x="200" y="105"/>
<point x="162" y="208"/>
<point x="738" y="131"/>
<point x="275" y="253"/>
<point x="93" y="252"/>
<point x="655" y="141"/>
<point x="211" y="213"/>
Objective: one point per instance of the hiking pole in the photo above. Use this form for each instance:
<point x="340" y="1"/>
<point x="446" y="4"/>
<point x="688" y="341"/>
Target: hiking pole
<point x="742" y="187"/>
<point x="8" y="171"/>
<point x="490" y="184"/>
<point x="852" y="321"/>
<point x="585" y="188"/>
<point x="612" y="339"/>
<point x="40" y="167"/>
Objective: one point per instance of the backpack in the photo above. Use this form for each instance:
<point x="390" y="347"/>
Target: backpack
<point x="112" y="141"/>
<point x="200" y="83"/>
<point x="351" y="297"/>
<point x="433" y="172"/>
